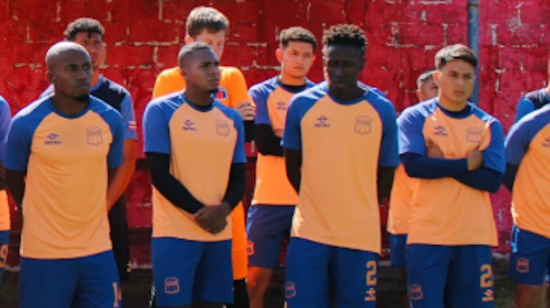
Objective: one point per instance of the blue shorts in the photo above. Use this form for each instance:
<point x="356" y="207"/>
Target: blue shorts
<point x="450" y="276"/>
<point x="268" y="226"/>
<point x="316" y="271"/>
<point x="529" y="257"/>
<point x="187" y="271"/>
<point x="4" y="242"/>
<point x="87" y="282"/>
<point x="398" y="246"/>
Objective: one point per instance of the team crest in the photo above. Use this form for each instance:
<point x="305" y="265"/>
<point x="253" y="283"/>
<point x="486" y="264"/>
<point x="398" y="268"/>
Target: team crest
<point x="474" y="134"/>
<point x="415" y="291"/>
<point x="290" y="290"/>
<point x="546" y="143"/>
<point x="363" y="125"/>
<point x="171" y="285"/>
<point x="221" y="95"/>
<point x="95" y="137"/>
<point x="522" y="265"/>
<point x="250" y="248"/>
<point x="222" y="128"/>
<point x="371" y="295"/>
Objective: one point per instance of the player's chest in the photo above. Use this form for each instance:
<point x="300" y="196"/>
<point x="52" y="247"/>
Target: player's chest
<point x="202" y="132"/>
<point x="539" y="148"/>
<point x="277" y="106"/>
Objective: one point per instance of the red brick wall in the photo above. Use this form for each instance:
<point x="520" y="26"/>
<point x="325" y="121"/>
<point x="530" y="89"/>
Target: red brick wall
<point x="143" y="37"/>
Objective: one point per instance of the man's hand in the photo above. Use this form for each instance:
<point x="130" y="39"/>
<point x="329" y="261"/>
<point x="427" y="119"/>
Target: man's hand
<point x="475" y="159"/>
<point x="434" y="152"/>
<point x="279" y="133"/>
<point x="246" y="110"/>
<point x="213" y="219"/>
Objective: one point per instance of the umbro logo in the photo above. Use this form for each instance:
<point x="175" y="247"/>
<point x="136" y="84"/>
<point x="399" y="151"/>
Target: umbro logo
<point x="322" y="122"/>
<point x="188" y="125"/>
<point x="52" y="139"/>
<point x="440" y="131"/>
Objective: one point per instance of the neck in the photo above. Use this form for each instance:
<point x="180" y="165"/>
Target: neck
<point x="292" y="81"/>
<point x="67" y="105"/>
<point x="347" y="94"/>
<point x="200" y="98"/>
<point x="449" y="105"/>
<point x="548" y="88"/>
<point x="95" y="77"/>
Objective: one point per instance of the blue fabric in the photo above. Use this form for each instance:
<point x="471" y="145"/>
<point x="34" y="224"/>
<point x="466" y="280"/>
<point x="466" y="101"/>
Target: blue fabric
<point x="267" y="227"/>
<point x="424" y="167"/>
<point x="529" y="257"/>
<point x="449" y="276"/>
<point x="187" y="271"/>
<point x="5" y="120"/>
<point x="522" y="133"/>
<point x="398" y="247"/>
<point x="87" y="282"/>
<point x="4" y="242"/>
<point x="523" y="108"/>
<point x="316" y="271"/>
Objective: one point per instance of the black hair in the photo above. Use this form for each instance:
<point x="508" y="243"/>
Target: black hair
<point x="88" y="25"/>
<point x="297" y="34"/>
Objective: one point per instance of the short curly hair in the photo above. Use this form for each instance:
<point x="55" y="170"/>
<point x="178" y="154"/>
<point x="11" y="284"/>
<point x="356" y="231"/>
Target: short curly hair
<point x="344" y="34"/>
<point x="88" y="25"/>
<point x="297" y="34"/>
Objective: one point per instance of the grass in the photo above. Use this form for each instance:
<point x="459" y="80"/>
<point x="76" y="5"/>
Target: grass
<point x="390" y="295"/>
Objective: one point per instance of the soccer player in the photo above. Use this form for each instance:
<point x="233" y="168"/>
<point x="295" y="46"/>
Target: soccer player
<point x="89" y="34"/>
<point x="528" y="158"/>
<point x="270" y="217"/>
<point x="340" y="144"/>
<point x="533" y="100"/>
<point x="5" y="120"/>
<point x="63" y="150"/>
<point x="195" y="148"/>
<point x="210" y="26"/>
<point x="456" y="152"/>
<point x="403" y="190"/>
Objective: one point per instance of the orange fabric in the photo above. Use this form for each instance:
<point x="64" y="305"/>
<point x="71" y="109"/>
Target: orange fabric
<point x="239" y="244"/>
<point x="4" y="211"/>
<point x="400" y="202"/>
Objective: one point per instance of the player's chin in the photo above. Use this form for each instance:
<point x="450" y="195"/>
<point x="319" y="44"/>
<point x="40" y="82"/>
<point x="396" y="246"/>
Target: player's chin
<point x="83" y="97"/>
<point x="213" y="89"/>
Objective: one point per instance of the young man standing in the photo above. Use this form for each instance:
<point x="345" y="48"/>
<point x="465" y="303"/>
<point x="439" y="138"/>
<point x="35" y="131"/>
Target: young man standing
<point x="533" y="100"/>
<point x="340" y="144"/>
<point x="5" y="223"/>
<point x="63" y="152"/>
<point x="89" y="33"/>
<point x="455" y="151"/>
<point x="195" y="149"/>
<point x="270" y="217"/>
<point x="528" y="159"/>
<point x="403" y="190"/>
<point x="210" y="26"/>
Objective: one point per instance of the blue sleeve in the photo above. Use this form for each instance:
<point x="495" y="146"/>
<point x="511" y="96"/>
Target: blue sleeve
<point x="114" y="158"/>
<point x="482" y="179"/>
<point x="128" y="118"/>
<point x="260" y="99"/>
<point x="524" y="107"/>
<point x="389" y="152"/>
<point x="493" y="155"/>
<point x="292" y="138"/>
<point x="517" y="143"/>
<point x="411" y="136"/>
<point x="5" y="120"/>
<point x="423" y="167"/>
<point x="239" y="156"/>
<point x="19" y="142"/>
<point x="156" y="133"/>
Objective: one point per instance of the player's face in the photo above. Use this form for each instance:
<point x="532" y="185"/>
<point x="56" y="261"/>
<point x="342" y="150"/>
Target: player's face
<point x="427" y="90"/>
<point x="93" y="42"/>
<point x="296" y="58"/>
<point x="202" y="70"/>
<point x="455" y="81"/>
<point x="216" y="41"/>
<point x="342" y="66"/>
<point x="71" y="74"/>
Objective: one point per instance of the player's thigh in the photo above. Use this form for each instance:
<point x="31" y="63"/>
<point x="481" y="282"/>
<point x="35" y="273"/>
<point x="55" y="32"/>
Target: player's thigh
<point x="175" y="263"/>
<point x="427" y="273"/>
<point x="528" y="296"/>
<point x="529" y="257"/>
<point x="398" y="246"/>
<point x="47" y="283"/>
<point x="354" y="275"/>
<point x="4" y="242"/>
<point x="266" y="229"/>
<point x="471" y="280"/>
<point x="214" y="276"/>
<point x="239" y="245"/>
<point x="307" y="274"/>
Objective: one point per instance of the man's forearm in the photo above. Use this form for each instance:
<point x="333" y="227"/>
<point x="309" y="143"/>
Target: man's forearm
<point x="16" y="185"/>
<point x="121" y="179"/>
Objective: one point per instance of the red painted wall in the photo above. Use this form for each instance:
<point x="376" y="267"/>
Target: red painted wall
<point x="143" y="37"/>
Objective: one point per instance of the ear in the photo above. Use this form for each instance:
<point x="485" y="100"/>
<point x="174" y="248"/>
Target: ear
<point x="188" y="39"/>
<point x="279" y="54"/>
<point x="419" y="95"/>
<point x="50" y="77"/>
<point x="436" y="74"/>
<point x="183" y="73"/>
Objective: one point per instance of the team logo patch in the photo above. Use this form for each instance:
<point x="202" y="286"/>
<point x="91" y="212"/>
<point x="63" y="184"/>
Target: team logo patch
<point x="281" y="106"/>
<point x="132" y="125"/>
<point x="474" y="134"/>
<point x="546" y="143"/>
<point x="221" y="94"/>
<point x="222" y="128"/>
<point x="290" y="290"/>
<point x="522" y="265"/>
<point x="52" y="139"/>
<point x="415" y="292"/>
<point x="188" y="125"/>
<point x="363" y="125"/>
<point x="322" y="121"/>
<point x="95" y="137"/>
<point x="488" y="296"/>
<point x="171" y="285"/>
<point x="371" y="295"/>
<point x="440" y="131"/>
<point x="250" y="248"/>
